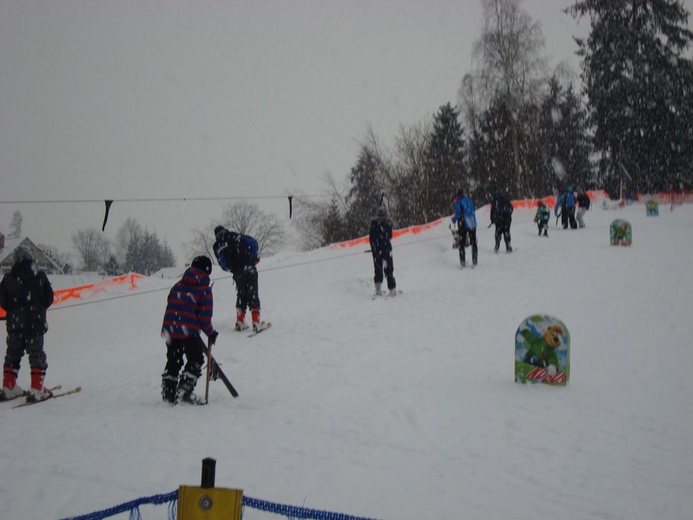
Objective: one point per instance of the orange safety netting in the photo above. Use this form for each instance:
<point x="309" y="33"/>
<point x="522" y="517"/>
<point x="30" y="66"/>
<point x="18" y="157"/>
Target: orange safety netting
<point x="395" y="233"/>
<point x="525" y="203"/>
<point x="89" y="290"/>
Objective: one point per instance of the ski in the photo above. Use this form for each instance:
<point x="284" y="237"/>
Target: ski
<point x="54" y="396"/>
<point x="264" y="325"/>
<point x="218" y="373"/>
<point x="386" y="294"/>
<point x="3" y="399"/>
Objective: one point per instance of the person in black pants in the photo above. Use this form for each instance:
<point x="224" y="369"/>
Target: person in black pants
<point x="502" y="217"/>
<point x="26" y="294"/>
<point x="239" y="254"/>
<point x="380" y="237"/>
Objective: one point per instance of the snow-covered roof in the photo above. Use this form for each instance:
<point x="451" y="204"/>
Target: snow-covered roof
<point x="44" y="260"/>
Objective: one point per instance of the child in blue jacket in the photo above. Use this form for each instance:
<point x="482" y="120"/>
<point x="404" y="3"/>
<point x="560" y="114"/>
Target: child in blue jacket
<point x="465" y="218"/>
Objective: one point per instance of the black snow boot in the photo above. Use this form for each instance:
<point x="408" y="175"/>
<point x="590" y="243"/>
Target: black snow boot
<point x="168" y="388"/>
<point x="185" y="394"/>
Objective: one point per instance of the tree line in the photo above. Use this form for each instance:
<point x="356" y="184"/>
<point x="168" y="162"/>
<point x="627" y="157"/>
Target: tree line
<point x="522" y="130"/>
<point x="136" y="249"/>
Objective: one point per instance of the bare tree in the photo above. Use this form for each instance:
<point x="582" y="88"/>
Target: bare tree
<point x="93" y="248"/>
<point x="509" y="52"/>
<point x="321" y="222"/>
<point x="509" y="66"/>
<point x="201" y="242"/>
<point x="245" y="218"/>
<point x="410" y="183"/>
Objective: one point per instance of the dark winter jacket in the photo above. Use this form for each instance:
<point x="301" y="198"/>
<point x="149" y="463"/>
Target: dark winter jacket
<point x="583" y="201"/>
<point x="189" y="307"/>
<point x="501" y="211"/>
<point x="380" y="234"/>
<point x="543" y="214"/>
<point x="25" y="294"/>
<point x="235" y="252"/>
<point x="465" y="211"/>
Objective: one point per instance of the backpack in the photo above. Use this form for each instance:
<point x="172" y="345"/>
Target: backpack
<point x="501" y="208"/>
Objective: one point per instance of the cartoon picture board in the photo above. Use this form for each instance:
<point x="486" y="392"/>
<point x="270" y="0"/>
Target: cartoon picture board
<point x="652" y="208"/>
<point x="542" y="351"/>
<point x="620" y="233"/>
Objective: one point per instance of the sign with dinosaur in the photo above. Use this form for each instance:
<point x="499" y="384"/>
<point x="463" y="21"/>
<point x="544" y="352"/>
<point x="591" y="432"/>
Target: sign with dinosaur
<point x="542" y="351"/>
<point x="620" y="233"/>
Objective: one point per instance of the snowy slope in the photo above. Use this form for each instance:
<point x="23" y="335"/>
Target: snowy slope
<point x="396" y="408"/>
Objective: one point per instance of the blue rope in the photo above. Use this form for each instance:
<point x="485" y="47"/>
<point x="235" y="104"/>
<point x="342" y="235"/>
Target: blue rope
<point x="291" y="512"/>
<point x="132" y="507"/>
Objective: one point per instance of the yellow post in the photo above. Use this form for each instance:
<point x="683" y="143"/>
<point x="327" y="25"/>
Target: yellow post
<point x="197" y="503"/>
<point x="207" y="502"/>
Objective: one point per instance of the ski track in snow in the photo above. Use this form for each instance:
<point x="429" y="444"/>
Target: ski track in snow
<point x="399" y="408"/>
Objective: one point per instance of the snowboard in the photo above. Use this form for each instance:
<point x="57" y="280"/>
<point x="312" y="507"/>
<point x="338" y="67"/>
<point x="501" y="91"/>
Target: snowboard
<point x="620" y="233"/>
<point x="542" y="351"/>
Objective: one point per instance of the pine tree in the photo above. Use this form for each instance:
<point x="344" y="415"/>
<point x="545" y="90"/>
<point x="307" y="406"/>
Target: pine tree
<point x="565" y="140"/>
<point x="492" y="153"/>
<point x="368" y="180"/>
<point x="445" y="163"/>
<point x="16" y="225"/>
<point x="639" y="83"/>
<point x="332" y="225"/>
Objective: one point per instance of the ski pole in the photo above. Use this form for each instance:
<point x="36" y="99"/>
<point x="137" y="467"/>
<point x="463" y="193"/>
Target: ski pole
<point x="209" y="368"/>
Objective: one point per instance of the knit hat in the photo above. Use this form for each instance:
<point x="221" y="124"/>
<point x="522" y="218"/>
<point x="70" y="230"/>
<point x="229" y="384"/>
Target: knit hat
<point x="203" y="263"/>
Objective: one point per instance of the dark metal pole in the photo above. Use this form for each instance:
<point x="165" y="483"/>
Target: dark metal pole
<point x="208" y="471"/>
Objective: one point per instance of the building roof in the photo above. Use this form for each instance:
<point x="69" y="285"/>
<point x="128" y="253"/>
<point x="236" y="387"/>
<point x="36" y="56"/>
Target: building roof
<point x="44" y="261"/>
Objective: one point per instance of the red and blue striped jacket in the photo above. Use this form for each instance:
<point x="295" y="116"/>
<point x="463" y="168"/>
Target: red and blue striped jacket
<point x="190" y="306"/>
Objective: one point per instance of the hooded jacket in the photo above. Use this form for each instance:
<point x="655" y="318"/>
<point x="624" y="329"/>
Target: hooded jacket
<point x="26" y="294"/>
<point x="189" y="307"/>
<point x="380" y="234"/>
<point x="465" y="211"/>
<point x="235" y="252"/>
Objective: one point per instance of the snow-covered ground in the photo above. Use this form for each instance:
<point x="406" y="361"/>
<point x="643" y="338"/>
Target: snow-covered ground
<point x="396" y="408"/>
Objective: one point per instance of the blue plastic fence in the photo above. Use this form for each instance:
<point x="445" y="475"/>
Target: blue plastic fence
<point x="291" y="512"/>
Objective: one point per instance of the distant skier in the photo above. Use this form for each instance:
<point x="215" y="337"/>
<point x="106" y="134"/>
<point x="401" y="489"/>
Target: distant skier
<point x="238" y="254"/>
<point x="541" y="217"/>
<point x="465" y="218"/>
<point x="583" y="203"/>
<point x="380" y="236"/>
<point x="502" y="217"/>
<point x="566" y="205"/>
<point x="189" y="309"/>
<point x="25" y="294"/>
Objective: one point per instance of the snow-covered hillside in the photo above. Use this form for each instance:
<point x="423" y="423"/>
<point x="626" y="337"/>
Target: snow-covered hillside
<point x="396" y="408"/>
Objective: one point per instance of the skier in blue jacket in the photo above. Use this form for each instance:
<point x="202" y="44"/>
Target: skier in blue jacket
<point x="566" y="204"/>
<point x="238" y="254"/>
<point x="465" y="218"/>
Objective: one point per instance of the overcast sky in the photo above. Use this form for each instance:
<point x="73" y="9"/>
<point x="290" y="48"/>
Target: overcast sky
<point x="145" y="99"/>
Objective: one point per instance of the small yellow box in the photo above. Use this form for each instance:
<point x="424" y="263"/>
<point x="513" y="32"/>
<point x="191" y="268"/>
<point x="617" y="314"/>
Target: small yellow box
<point x="196" y="503"/>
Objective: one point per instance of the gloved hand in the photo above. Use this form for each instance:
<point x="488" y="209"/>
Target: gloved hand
<point x="213" y="337"/>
